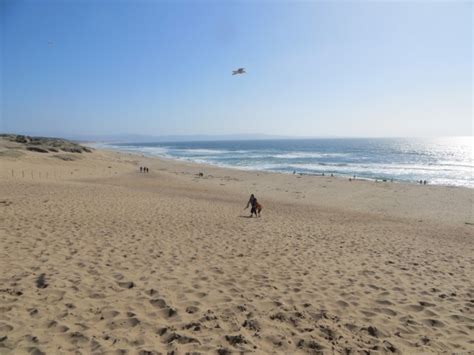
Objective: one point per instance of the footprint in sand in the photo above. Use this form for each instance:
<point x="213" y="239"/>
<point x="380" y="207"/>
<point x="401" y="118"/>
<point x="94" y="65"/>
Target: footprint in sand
<point x="384" y="302"/>
<point x="5" y="328"/>
<point x="433" y="323"/>
<point x="35" y="351"/>
<point x="388" y="311"/>
<point x="414" y="307"/>
<point x="33" y="312"/>
<point x="151" y="292"/>
<point x="235" y="339"/>
<point x="343" y="304"/>
<point x="426" y="304"/>
<point x="178" y="338"/>
<point x="192" y="309"/>
<point x="165" y="310"/>
<point x="118" y="277"/>
<point x="158" y="303"/>
<point x="123" y="323"/>
<point x="127" y="284"/>
<point x="77" y="338"/>
<point x="110" y="314"/>
<point x="55" y="327"/>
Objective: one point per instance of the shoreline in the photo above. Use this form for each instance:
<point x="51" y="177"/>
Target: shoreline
<point x="335" y="175"/>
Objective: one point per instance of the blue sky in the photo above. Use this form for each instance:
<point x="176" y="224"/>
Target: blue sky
<point x="340" y="68"/>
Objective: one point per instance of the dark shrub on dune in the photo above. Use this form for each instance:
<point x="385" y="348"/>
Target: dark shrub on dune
<point x="37" y="149"/>
<point x="46" y="144"/>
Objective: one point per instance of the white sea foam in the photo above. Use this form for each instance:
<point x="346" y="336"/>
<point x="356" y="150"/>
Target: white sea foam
<point x="193" y="151"/>
<point x="299" y="155"/>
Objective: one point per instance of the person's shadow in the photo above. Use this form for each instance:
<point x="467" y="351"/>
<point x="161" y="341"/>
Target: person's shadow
<point x="245" y="216"/>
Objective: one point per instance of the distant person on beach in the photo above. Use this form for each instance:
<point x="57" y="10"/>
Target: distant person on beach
<point x="253" y="203"/>
<point x="141" y="169"/>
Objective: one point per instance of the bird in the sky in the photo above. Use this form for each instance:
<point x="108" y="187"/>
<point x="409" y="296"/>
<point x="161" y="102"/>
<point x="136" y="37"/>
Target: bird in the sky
<point x="239" y="71"/>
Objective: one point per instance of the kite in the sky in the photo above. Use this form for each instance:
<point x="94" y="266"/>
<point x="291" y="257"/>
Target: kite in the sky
<point x="239" y="71"/>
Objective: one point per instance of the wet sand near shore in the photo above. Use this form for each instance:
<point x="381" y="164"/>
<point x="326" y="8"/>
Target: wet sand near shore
<point x="97" y="257"/>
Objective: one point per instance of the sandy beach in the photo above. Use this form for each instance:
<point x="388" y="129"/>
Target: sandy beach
<point x="97" y="257"/>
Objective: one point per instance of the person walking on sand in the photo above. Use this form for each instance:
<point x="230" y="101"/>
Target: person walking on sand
<point x="253" y="203"/>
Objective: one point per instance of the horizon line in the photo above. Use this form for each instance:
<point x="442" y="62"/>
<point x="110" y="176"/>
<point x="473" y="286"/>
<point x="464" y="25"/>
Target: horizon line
<point x="122" y="138"/>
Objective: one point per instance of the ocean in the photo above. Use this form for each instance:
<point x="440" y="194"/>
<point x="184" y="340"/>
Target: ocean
<point x="439" y="161"/>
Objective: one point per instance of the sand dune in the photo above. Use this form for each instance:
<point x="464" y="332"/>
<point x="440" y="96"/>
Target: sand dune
<point x="98" y="258"/>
